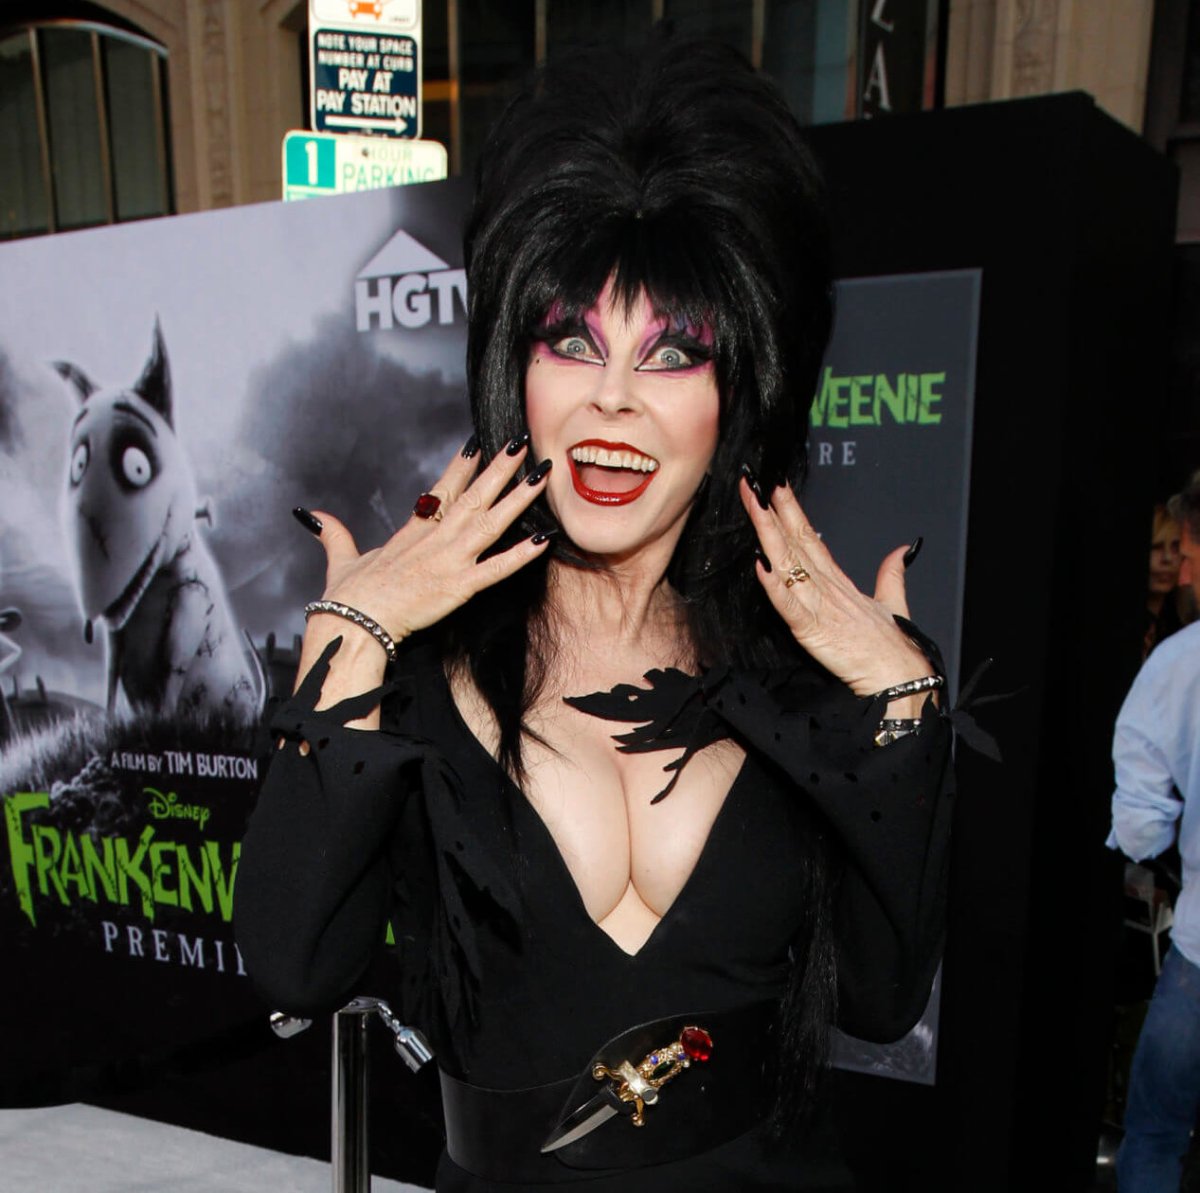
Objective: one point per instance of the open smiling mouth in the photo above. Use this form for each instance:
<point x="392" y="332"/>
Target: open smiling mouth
<point x="117" y="614"/>
<point x="610" y="473"/>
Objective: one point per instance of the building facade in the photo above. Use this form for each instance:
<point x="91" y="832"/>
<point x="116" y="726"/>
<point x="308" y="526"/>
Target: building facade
<point x="143" y="107"/>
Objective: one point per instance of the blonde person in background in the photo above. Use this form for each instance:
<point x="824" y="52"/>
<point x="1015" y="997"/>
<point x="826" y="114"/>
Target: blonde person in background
<point x="1169" y="606"/>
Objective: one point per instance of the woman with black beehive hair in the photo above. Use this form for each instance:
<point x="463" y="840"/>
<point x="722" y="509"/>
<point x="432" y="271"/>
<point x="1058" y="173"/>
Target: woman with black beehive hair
<point x="627" y="942"/>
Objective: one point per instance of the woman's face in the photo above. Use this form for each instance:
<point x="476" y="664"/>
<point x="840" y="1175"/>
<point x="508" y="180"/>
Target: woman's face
<point x="625" y="403"/>
<point x="1164" y="555"/>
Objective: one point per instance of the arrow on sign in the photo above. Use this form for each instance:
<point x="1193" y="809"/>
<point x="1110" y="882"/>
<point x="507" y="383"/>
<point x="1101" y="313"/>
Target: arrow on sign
<point x="399" y="124"/>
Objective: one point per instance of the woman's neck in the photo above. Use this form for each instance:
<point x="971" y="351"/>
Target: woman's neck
<point x="619" y="612"/>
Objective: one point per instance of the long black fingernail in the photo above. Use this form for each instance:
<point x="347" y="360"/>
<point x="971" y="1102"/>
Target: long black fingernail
<point x="542" y="536"/>
<point x="470" y="449"/>
<point x="536" y="476"/>
<point x="913" y="551"/>
<point x="309" y="521"/>
<point x="522" y="440"/>
<point x="755" y="487"/>
<point x="758" y="554"/>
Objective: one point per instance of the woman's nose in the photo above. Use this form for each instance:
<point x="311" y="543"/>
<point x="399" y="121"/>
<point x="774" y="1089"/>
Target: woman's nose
<point x="615" y="392"/>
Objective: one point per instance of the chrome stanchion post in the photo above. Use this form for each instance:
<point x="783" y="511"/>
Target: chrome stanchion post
<point x="348" y="1145"/>
<point x="348" y="1118"/>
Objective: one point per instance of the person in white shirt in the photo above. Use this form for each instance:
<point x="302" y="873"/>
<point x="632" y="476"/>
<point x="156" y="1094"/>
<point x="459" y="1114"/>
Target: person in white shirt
<point x="1156" y="755"/>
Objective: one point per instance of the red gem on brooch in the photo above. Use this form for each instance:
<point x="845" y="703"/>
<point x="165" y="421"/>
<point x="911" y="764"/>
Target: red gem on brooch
<point x="427" y="505"/>
<point x="696" y="1043"/>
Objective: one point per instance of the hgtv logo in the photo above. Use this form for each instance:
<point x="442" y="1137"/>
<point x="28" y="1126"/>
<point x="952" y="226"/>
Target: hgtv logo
<point x="405" y="283"/>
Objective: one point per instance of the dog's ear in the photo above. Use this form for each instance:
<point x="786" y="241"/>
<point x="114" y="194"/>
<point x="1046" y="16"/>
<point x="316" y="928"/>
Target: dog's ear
<point x="77" y="377"/>
<point x="154" y="385"/>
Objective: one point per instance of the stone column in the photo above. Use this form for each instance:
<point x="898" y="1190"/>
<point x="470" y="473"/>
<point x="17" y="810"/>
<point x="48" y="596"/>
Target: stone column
<point x="1006" y="49"/>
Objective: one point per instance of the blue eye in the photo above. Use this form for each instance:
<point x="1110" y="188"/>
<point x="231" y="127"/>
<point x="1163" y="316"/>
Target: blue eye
<point x="667" y="357"/>
<point x="573" y="346"/>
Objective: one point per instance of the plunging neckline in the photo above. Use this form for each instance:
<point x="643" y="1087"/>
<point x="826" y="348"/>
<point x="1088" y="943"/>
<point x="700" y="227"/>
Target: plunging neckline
<point x="543" y="829"/>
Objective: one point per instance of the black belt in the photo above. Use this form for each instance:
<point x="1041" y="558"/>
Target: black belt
<point x="498" y="1134"/>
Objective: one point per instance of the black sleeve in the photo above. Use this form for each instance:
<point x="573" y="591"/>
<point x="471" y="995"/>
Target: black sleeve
<point x="314" y="883"/>
<point x="890" y="808"/>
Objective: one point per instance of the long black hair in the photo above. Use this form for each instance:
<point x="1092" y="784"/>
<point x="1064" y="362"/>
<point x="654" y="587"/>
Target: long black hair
<point x="678" y="172"/>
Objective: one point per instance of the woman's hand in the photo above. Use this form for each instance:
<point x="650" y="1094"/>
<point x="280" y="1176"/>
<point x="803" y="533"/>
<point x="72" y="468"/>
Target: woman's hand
<point x="426" y="570"/>
<point x="849" y="633"/>
<point x="431" y="566"/>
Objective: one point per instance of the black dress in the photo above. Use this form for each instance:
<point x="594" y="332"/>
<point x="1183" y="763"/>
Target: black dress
<point x="417" y="832"/>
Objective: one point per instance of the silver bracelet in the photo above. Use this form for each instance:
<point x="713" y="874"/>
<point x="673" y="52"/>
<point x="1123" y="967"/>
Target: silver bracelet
<point x="360" y="619"/>
<point x="893" y="728"/>
<point x="927" y="683"/>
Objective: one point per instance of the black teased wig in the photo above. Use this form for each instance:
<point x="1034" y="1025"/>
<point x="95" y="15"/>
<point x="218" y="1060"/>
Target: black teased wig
<point x="683" y="172"/>
<point x="678" y="171"/>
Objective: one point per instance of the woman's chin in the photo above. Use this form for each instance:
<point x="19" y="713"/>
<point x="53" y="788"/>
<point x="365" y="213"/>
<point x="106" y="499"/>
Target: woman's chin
<point x="603" y="536"/>
<point x="602" y="546"/>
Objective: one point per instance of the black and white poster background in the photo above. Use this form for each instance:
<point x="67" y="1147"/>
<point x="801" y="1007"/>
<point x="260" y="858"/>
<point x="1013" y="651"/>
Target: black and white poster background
<point x="240" y="362"/>
<point x="308" y="353"/>
<point x="278" y="397"/>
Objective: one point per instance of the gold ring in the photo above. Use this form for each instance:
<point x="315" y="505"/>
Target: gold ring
<point x="795" y="575"/>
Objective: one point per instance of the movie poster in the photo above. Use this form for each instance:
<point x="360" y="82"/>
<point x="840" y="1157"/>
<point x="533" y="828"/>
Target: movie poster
<point x="889" y="460"/>
<point x="168" y="391"/>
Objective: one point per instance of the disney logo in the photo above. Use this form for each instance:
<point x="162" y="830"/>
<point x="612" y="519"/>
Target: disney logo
<point x="167" y="806"/>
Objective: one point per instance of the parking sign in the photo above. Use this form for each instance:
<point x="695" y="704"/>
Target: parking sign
<point x="365" y="58"/>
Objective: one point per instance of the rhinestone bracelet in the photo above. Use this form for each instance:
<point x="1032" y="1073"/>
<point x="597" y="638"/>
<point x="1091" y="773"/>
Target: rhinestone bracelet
<point x="360" y="619"/>
<point x="927" y="683"/>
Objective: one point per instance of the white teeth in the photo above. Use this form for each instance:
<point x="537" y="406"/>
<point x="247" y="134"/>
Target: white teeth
<point x="634" y="461"/>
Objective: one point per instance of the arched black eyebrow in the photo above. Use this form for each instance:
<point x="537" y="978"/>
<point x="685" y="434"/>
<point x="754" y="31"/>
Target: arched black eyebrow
<point x="126" y="408"/>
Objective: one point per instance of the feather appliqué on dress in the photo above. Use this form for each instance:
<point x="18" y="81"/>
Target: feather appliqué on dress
<point x="670" y="714"/>
<point x="464" y="870"/>
<point x="689" y="712"/>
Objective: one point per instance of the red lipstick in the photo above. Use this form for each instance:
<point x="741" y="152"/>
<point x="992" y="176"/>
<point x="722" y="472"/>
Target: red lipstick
<point x="603" y="496"/>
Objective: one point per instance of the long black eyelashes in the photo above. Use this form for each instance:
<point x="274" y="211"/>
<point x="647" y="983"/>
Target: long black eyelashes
<point x="698" y="353"/>
<point x="580" y="332"/>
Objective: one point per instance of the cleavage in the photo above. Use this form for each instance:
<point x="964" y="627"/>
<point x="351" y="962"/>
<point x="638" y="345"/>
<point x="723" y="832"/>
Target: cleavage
<point x="628" y="860"/>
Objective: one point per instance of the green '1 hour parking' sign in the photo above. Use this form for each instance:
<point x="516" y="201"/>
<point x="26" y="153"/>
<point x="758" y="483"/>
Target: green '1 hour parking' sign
<point x="328" y="164"/>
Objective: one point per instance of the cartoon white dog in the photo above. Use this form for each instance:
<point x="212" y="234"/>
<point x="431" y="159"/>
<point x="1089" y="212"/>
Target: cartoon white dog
<point x="141" y="565"/>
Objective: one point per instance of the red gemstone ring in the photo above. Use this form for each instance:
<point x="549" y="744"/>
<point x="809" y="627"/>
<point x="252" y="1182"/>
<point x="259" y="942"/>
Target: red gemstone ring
<point x="429" y="505"/>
